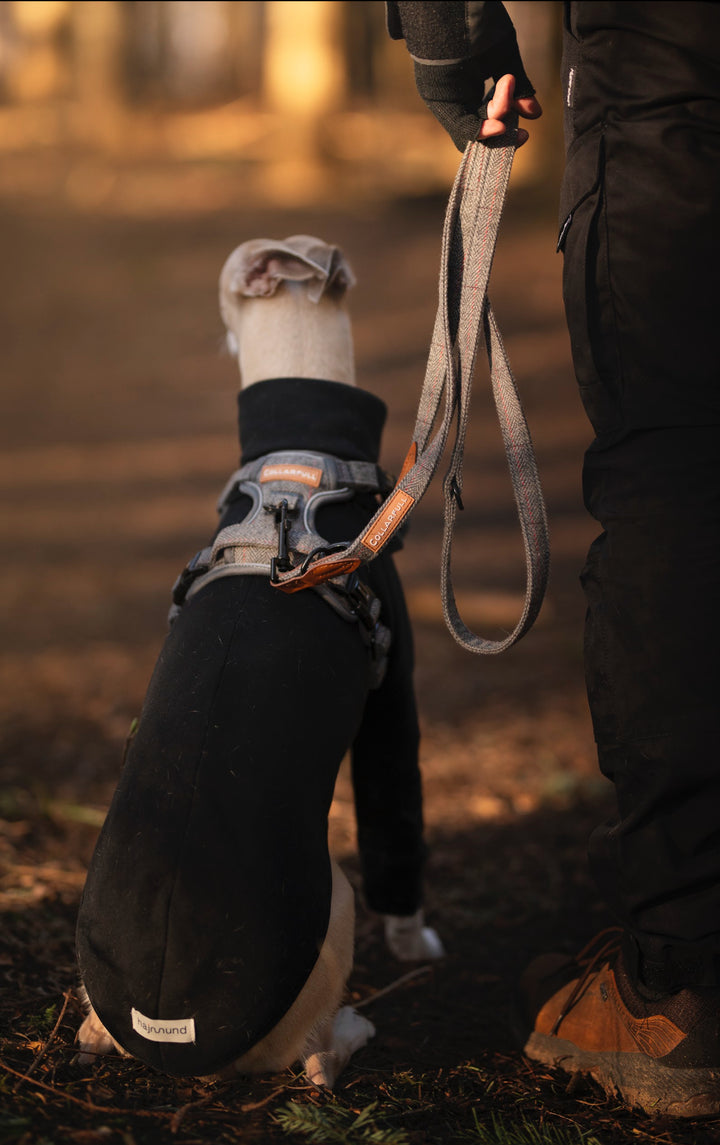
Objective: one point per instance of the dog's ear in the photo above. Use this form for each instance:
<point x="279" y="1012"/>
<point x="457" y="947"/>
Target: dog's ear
<point x="341" y="277"/>
<point x="264" y="273"/>
<point x="256" y="269"/>
<point x="334" y="272"/>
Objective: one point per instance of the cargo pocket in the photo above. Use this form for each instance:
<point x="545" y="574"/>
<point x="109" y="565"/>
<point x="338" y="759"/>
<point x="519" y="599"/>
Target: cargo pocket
<point x="586" y="284"/>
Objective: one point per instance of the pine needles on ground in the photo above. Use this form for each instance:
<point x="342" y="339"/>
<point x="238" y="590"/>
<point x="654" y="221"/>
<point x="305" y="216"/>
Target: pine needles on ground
<point x="501" y="1132"/>
<point x="335" y="1125"/>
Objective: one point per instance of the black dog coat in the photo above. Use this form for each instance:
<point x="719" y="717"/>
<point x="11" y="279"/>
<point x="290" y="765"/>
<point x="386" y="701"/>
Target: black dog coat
<point x="208" y="896"/>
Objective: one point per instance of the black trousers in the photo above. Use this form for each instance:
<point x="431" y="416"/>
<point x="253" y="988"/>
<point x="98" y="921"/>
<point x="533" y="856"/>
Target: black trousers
<point x="640" y="230"/>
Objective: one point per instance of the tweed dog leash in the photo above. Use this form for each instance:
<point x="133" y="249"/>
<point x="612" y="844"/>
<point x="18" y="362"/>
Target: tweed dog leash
<point x="464" y="319"/>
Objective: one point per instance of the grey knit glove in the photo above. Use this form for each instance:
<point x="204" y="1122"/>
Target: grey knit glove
<point x="455" y="92"/>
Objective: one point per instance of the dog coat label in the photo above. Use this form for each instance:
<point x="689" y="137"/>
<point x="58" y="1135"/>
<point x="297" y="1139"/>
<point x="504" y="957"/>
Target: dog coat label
<point x="399" y="504"/>
<point x="305" y="474"/>
<point x="161" y="1029"/>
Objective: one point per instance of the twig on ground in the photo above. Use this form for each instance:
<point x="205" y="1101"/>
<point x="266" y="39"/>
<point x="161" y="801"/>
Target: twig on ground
<point x="43" y="1052"/>
<point x="392" y="986"/>
<point x="179" y="1114"/>
<point x="252" y="1105"/>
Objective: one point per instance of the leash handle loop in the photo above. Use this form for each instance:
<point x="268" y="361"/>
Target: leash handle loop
<point x="464" y="319"/>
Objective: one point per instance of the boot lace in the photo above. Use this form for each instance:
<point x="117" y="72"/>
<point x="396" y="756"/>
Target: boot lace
<point x="601" y="949"/>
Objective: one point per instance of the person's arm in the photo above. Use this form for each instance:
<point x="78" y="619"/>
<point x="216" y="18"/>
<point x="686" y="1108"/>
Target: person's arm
<point x="456" y="46"/>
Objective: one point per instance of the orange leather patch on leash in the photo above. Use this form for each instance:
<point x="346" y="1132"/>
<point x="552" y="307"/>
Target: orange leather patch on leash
<point x="396" y="508"/>
<point x="409" y="461"/>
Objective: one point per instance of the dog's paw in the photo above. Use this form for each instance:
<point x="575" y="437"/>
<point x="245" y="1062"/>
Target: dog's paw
<point x="93" y="1039"/>
<point x="409" y="939"/>
<point x="331" y="1049"/>
<point x="351" y="1031"/>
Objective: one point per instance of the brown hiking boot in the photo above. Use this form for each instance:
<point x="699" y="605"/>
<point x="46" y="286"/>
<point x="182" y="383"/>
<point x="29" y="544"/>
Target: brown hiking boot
<point x="659" y="1053"/>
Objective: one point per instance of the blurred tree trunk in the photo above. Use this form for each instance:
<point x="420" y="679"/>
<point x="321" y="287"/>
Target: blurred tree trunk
<point x="32" y="63"/>
<point x="99" y="56"/>
<point x="303" y="81"/>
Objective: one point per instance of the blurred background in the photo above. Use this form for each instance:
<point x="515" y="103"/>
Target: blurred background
<point x="304" y="100"/>
<point x="139" y="144"/>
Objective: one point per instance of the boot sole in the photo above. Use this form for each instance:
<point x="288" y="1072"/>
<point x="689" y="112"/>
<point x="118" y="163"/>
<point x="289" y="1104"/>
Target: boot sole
<point x="640" y="1081"/>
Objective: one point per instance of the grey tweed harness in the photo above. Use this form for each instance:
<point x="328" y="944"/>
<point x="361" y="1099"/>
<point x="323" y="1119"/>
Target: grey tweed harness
<point x="279" y="534"/>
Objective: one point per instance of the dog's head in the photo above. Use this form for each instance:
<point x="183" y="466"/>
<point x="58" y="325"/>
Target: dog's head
<point x="257" y="268"/>
<point x="303" y="277"/>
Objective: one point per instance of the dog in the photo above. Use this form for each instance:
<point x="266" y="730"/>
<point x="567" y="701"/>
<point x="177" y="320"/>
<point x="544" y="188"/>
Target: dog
<point x="215" y="933"/>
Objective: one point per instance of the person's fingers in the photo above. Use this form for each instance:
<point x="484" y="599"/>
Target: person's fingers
<point x="491" y="127"/>
<point x="502" y="104"/>
<point x="502" y="101"/>
<point x="528" y="108"/>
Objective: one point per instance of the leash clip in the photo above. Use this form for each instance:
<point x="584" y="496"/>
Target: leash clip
<point x="322" y="551"/>
<point x="282" y="562"/>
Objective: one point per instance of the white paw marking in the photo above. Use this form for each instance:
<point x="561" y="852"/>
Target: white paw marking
<point x="349" y="1032"/>
<point x="409" y="940"/>
<point x="93" y="1040"/>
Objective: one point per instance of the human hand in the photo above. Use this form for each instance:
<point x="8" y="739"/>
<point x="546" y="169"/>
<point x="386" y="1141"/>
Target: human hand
<point x="503" y="104"/>
<point x="454" y="94"/>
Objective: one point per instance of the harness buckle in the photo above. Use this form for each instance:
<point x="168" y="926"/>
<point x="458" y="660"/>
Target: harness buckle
<point x="193" y="569"/>
<point x="362" y="601"/>
<point x="365" y="606"/>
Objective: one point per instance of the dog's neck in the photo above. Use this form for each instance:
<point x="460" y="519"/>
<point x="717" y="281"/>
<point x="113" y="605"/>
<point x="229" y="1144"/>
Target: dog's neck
<point x="288" y="336"/>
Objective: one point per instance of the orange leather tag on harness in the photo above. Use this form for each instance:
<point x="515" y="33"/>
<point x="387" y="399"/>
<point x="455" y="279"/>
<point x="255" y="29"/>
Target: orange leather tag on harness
<point x="321" y="571"/>
<point x="305" y="474"/>
<point x="395" y="510"/>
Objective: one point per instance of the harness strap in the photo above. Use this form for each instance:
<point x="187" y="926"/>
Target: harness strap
<point x="286" y="490"/>
<point x="361" y="476"/>
<point x="464" y="319"/>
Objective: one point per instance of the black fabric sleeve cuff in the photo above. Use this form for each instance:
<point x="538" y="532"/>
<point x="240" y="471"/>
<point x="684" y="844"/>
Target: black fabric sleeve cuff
<point x="301" y="413"/>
